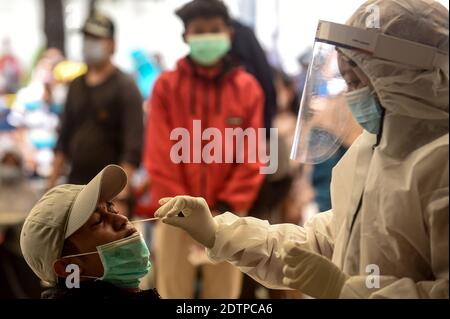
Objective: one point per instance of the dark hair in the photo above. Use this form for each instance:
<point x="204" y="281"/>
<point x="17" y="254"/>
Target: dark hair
<point x="203" y="9"/>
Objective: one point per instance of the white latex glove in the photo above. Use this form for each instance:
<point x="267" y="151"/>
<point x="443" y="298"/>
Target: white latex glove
<point x="311" y="273"/>
<point x="197" y="220"/>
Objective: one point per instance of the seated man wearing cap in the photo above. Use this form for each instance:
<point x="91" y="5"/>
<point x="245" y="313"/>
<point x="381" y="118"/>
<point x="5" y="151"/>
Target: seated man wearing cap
<point x="75" y="240"/>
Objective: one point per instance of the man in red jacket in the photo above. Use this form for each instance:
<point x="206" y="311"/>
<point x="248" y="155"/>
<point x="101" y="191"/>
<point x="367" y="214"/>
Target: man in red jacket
<point x="206" y="89"/>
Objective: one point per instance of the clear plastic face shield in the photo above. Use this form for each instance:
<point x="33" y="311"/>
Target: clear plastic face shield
<point x="324" y="117"/>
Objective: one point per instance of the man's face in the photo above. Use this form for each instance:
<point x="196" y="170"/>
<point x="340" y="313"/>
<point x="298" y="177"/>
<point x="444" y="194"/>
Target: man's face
<point x="104" y="226"/>
<point x="206" y="25"/>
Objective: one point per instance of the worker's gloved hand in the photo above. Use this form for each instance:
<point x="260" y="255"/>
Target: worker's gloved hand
<point x="197" y="220"/>
<point x="311" y="273"/>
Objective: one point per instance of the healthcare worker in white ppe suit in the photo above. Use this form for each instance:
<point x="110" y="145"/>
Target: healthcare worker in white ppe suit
<point x="389" y="216"/>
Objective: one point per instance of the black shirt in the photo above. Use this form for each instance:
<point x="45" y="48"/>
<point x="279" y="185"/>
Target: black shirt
<point x="250" y="54"/>
<point x="101" y="125"/>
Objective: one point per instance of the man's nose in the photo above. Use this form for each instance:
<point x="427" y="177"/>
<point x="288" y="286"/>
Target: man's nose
<point x="119" y="221"/>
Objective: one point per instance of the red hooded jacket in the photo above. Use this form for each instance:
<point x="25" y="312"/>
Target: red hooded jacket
<point x="225" y="97"/>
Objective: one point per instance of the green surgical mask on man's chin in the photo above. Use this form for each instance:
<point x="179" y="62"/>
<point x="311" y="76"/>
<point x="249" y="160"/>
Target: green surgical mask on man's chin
<point x="208" y="49"/>
<point x="125" y="261"/>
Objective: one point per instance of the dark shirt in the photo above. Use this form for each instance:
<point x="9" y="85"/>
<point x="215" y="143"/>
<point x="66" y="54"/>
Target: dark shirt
<point x="101" y="125"/>
<point x="247" y="50"/>
<point x="98" y="290"/>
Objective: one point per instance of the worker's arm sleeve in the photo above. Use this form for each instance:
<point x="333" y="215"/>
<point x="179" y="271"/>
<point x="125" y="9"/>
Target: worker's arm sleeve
<point x="379" y="286"/>
<point x="166" y="175"/>
<point x="245" y="180"/>
<point x="132" y="124"/>
<point x="255" y="246"/>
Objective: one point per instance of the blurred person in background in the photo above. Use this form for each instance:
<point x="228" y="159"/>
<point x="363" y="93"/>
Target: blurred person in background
<point x="287" y="106"/>
<point x="206" y="86"/>
<point x="13" y="182"/>
<point x="36" y="110"/>
<point x="102" y="121"/>
<point x="16" y="200"/>
<point x="10" y="70"/>
<point x="146" y="70"/>
<point x="247" y="51"/>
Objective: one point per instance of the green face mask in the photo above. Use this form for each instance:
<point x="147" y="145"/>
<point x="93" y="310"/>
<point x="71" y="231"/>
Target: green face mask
<point x="125" y="261"/>
<point x="208" y="49"/>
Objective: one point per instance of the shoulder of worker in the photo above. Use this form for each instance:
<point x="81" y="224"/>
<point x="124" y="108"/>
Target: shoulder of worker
<point x="431" y="163"/>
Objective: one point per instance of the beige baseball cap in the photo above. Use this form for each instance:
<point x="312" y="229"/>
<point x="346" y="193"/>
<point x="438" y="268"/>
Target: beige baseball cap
<point x="99" y="25"/>
<point x="60" y="213"/>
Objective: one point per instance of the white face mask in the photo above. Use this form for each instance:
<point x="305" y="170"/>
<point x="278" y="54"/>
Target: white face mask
<point x="94" y="51"/>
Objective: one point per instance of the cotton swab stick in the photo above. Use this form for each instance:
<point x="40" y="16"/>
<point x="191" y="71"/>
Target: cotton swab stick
<point x="145" y="220"/>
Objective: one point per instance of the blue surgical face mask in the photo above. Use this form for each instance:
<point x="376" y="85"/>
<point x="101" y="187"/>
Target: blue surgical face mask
<point x="365" y="109"/>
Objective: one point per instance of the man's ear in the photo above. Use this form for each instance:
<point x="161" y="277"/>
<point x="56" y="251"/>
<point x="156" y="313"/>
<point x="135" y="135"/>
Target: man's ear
<point x="60" y="265"/>
<point x="184" y="37"/>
